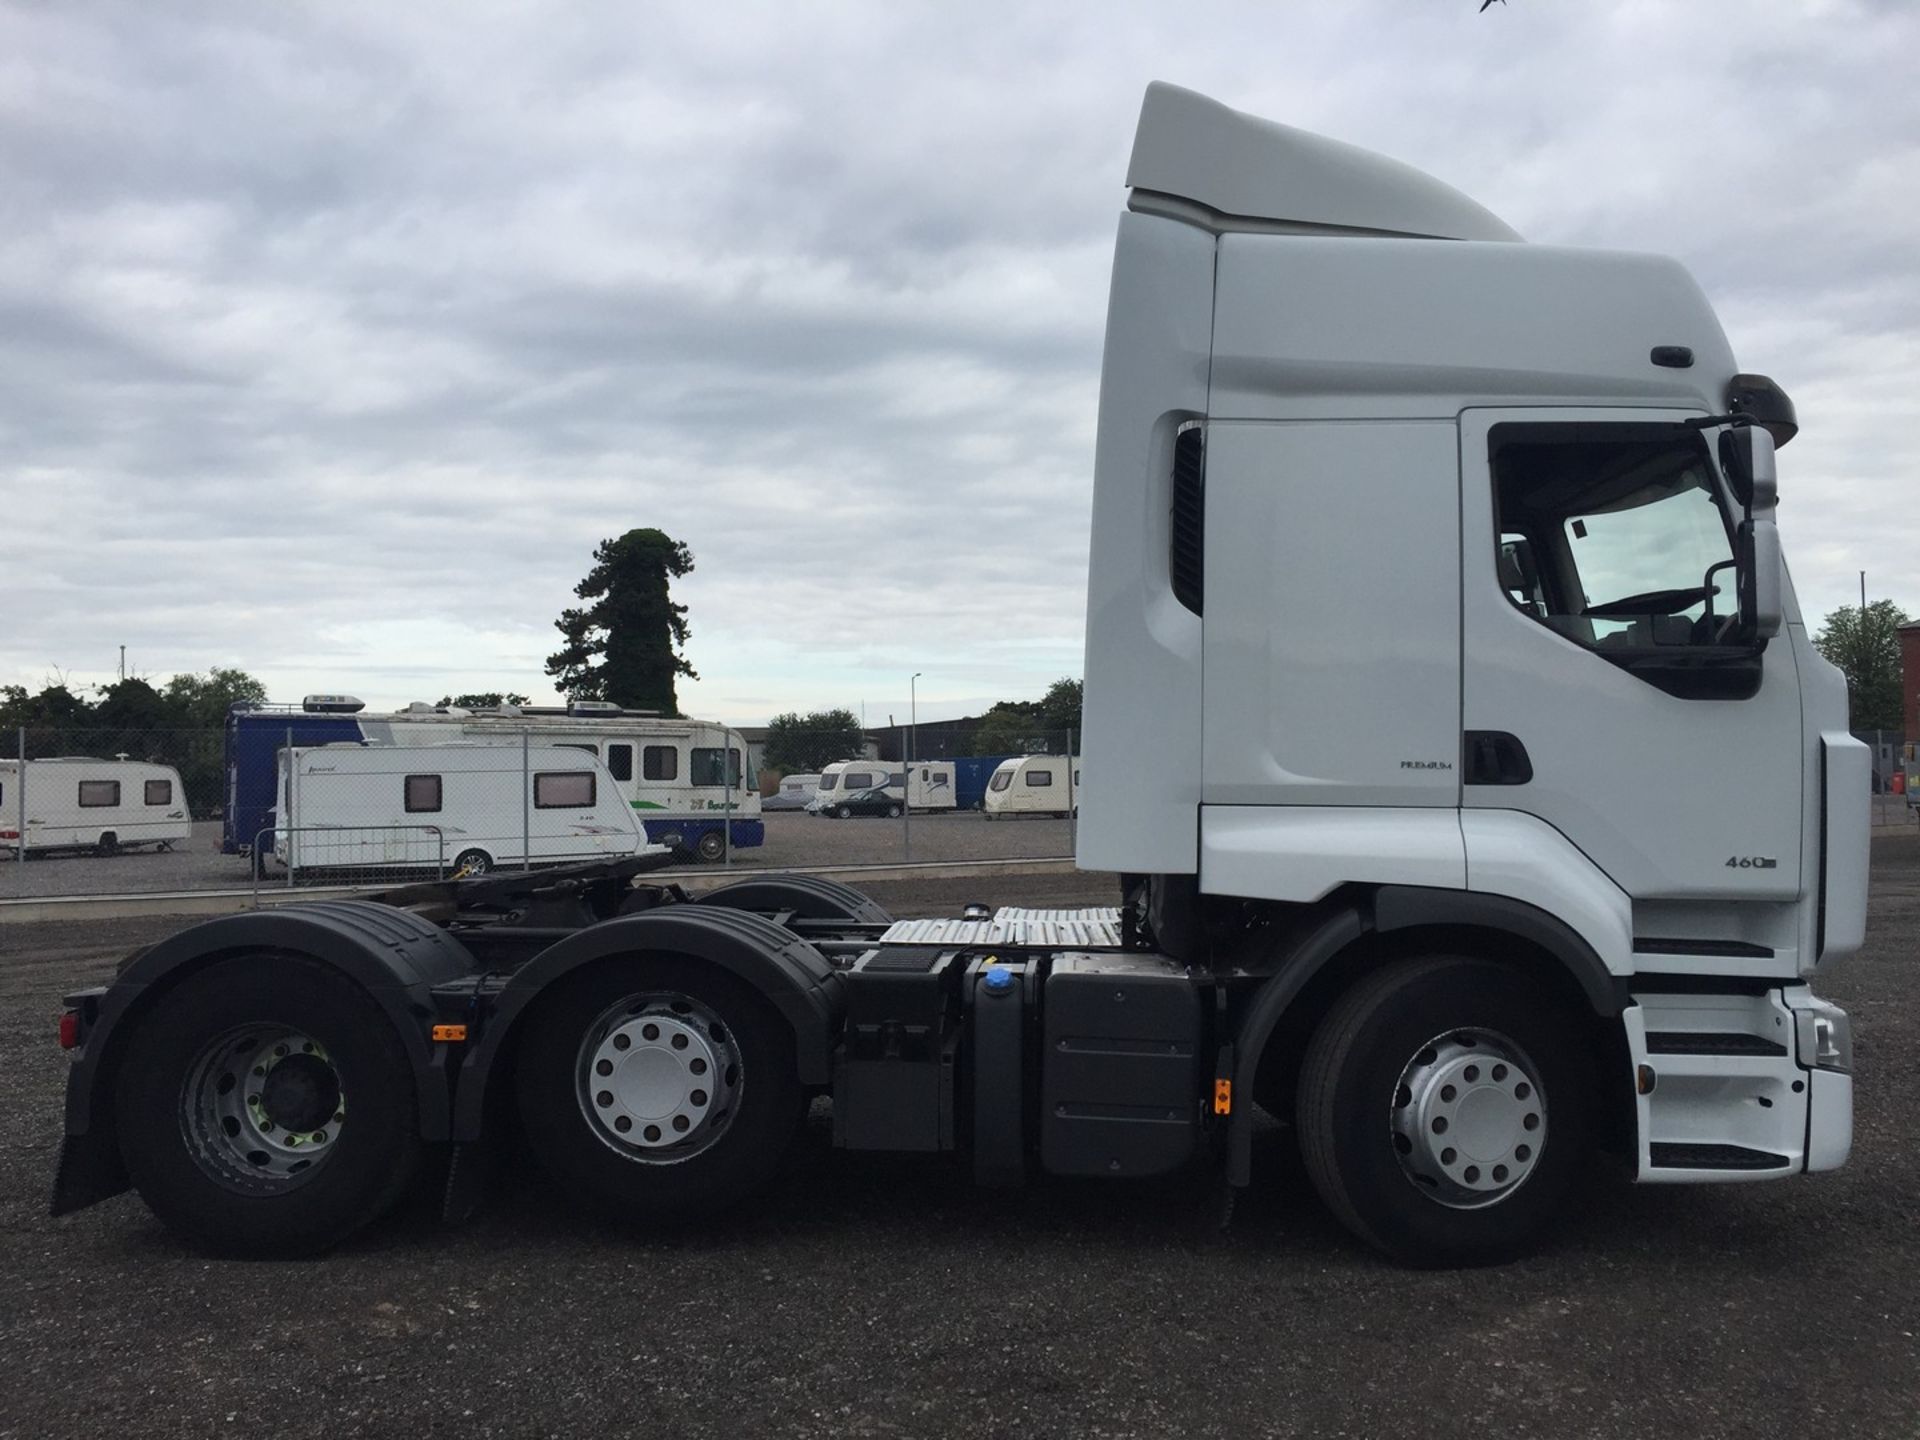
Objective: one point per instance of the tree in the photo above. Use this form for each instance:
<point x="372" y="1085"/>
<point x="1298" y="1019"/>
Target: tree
<point x="802" y="744"/>
<point x="483" y="700"/>
<point x="1060" y="707"/>
<point x="622" y="646"/>
<point x="1011" y="727"/>
<point x="201" y="702"/>
<point x="1866" y="647"/>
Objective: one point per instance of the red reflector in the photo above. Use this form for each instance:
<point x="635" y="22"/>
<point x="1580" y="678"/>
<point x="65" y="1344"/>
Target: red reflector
<point x="9" y="834"/>
<point x="69" y="1031"/>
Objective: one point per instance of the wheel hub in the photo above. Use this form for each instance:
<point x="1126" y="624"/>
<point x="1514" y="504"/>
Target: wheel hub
<point x="262" y="1107"/>
<point x="660" y="1076"/>
<point x="1469" y="1121"/>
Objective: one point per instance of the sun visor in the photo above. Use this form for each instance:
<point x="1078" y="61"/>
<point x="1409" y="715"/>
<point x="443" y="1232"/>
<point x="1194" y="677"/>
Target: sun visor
<point x="1195" y="159"/>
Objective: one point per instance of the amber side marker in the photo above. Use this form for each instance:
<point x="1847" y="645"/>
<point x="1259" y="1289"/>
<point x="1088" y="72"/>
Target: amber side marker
<point x="1647" y="1079"/>
<point x="449" y="1032"/>
<point x="1223" y="1097"/>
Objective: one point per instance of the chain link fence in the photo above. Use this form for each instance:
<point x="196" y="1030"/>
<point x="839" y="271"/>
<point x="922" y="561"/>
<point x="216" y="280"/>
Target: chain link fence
<point x="282" y="802"/>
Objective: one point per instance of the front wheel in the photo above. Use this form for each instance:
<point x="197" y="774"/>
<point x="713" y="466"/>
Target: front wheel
<point x="843" y="813"/>
<point x="1444" y="1111"/>
<point x="265" y="1107"/>
<point x="659" y="1086"/>
<point x="893" y="812"/>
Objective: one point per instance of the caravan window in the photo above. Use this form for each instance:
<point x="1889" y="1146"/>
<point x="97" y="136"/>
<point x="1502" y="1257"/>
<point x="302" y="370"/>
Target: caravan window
<point x="706" y="766"/>
<point x="660" y="762"/>
<point x="563" y="790"/>
<point x="577" y="745"/>
<point x="98" y="794"/>
<point x="1040" y="778"/>
<point x="859" y="779"/>
<point x="423" y="794"/>
<point x="1001" y="780"/>
<point x="620" y="761"/>
<point x="159" y="792"/>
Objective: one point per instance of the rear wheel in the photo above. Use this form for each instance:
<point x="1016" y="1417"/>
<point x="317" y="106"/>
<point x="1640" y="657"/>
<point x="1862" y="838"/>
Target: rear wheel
<point x="658" y="1087"/>
<point x="843" y="813"/>
<point x="893" y="812"/>
<point x="265" y="1107"/>
<point x="109" y="844"/>
<point x="1444" y="1111"/>
<point x="712" y="846"/>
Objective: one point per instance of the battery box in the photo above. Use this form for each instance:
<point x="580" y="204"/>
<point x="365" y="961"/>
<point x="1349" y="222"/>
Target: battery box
<point x="1120" y="1071"/>
<point x="893" y="1072"/>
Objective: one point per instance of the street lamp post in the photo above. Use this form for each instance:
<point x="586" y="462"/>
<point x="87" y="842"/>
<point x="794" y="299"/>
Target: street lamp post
<point x="906" y="800"/>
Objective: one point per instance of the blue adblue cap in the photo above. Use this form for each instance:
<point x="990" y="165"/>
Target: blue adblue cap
<point x="997" y="980"/>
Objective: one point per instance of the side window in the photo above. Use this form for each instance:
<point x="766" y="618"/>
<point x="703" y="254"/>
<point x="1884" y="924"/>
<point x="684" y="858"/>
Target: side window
<point x="159" y="792"/>
<point x="1613" y="535"/>
<point x="620" y="762"/>
<point x="858" y="780"/>
<point x="1040" y="779"/>
<point x="563" y="789"/>
<point x="660" y="762"/>
<point x="99" y="794"/>
<point x="423" y="794"/>
<point x="707" y="762"/>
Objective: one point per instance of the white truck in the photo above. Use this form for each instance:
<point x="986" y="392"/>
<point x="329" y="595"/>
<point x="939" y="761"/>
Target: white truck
<point x="1480" y="804"/>
<point x="77" y="803"/>
<point x="450" y="808"/>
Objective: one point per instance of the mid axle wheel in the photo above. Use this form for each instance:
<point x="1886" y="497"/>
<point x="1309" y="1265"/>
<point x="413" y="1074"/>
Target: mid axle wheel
<point x="657" y="1086"/>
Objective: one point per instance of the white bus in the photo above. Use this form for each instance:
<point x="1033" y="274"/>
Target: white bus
<point x="452" y="808"/>
<point x="77" y="802"/>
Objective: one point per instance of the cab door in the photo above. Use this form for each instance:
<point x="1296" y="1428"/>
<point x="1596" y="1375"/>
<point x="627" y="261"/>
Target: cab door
<point x="1604" y="686"/>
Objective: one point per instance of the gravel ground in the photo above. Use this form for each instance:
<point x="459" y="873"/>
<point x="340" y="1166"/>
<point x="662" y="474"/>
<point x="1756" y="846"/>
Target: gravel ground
<point x="793" y="840"/>
<point x="882" y="1296"/>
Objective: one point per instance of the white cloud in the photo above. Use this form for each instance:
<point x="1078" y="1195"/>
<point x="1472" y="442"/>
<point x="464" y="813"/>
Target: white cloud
<point x="337" y="337"/>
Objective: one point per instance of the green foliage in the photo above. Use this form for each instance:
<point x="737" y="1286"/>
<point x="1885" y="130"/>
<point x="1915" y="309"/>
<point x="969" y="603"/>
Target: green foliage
<point x="484" y="699"/>
<point x="622" y="647"/>
<point x="1866" y="647"/>
<point x="1021" y="727"/>
<point x="182" y="724"/>
<point x="802" y="744"/>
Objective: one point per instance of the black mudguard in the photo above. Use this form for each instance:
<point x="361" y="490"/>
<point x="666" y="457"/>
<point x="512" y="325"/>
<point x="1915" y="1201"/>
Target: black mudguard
<point x="396" y="956"/>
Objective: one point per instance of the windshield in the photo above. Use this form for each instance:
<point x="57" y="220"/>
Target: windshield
<point x="1001" y="780"/>
<point x="829" y="782"/>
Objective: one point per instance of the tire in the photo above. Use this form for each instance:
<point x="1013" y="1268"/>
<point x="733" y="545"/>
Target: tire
<point x="620" y="1173"/>
<point x="472" y="862"/>
<point x="843" y="813"/>
<point x="201" y="1185"/>
<point x="712" y="847"/>
<point x="109" y="845"/>
<point x="1371" y="1115"/>
<point x="893" y="812"/>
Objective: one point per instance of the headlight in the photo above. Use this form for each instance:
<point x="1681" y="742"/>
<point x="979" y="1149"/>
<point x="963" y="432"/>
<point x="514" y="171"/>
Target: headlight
<point x="1826" y="1037"/>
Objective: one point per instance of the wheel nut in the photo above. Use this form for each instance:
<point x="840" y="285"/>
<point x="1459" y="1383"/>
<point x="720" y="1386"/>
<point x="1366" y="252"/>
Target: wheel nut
<point x="604" y="1067"/>
<point x="622" y="1124"/>
<point x="603" y="1099"/>
<point x="697" y="1065"/>
<point x="1447" y="1092"/>
<point x="621" y="1042"/>
<point x="679" y="1042"/>
<point x="1523" y="1152"/>
<point x="1449" y="1155"/>
<point x="1439" y="1124"/>
<point x="680" y="1123"/>
<point x="1532" y="1122"/>
<point x="649" y="1032"/>
<point x="1499" y="1072"/>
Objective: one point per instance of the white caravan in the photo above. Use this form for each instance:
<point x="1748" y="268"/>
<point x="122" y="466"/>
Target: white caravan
<point x="75" y="802"/>
<point x="458" y="807"/>
<point x="1034" y="785"/>
<point x="850" y="777"/>
<point x="930" y="785"/>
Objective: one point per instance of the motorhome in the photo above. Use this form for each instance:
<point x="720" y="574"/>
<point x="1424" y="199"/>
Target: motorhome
<point x="1034" y="785"/>
<point x="77" y="802"/>
<point x="671" y="771"/>
<point x="456" y="808"/>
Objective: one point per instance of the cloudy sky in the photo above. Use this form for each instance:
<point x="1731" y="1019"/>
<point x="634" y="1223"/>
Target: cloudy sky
<point x="334" y="337"/>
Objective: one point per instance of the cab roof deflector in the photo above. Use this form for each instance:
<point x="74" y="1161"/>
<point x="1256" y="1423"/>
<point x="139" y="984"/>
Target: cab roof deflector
<point x="1198" y="161"/>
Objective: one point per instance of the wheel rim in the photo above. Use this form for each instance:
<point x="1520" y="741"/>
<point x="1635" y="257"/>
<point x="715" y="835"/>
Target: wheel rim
<point x="712" y="847"/>
<point x="472" y="863"/>
<point x="660" y="1078"/>
<point x="1469" y="1119"/>
<point x="262" y="1108"/>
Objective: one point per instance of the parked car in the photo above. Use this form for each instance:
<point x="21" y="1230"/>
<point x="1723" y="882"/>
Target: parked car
<point x="877" y="801"/>
<point x="794" y="793"/>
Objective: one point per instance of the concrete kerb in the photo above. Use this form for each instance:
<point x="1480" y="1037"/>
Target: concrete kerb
<point x="223" y="902"/>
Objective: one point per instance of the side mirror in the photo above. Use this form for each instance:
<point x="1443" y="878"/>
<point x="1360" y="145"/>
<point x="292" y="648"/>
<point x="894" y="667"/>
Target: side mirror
<point x="1746" y="454"/>
<point x="1759" y="569"/>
